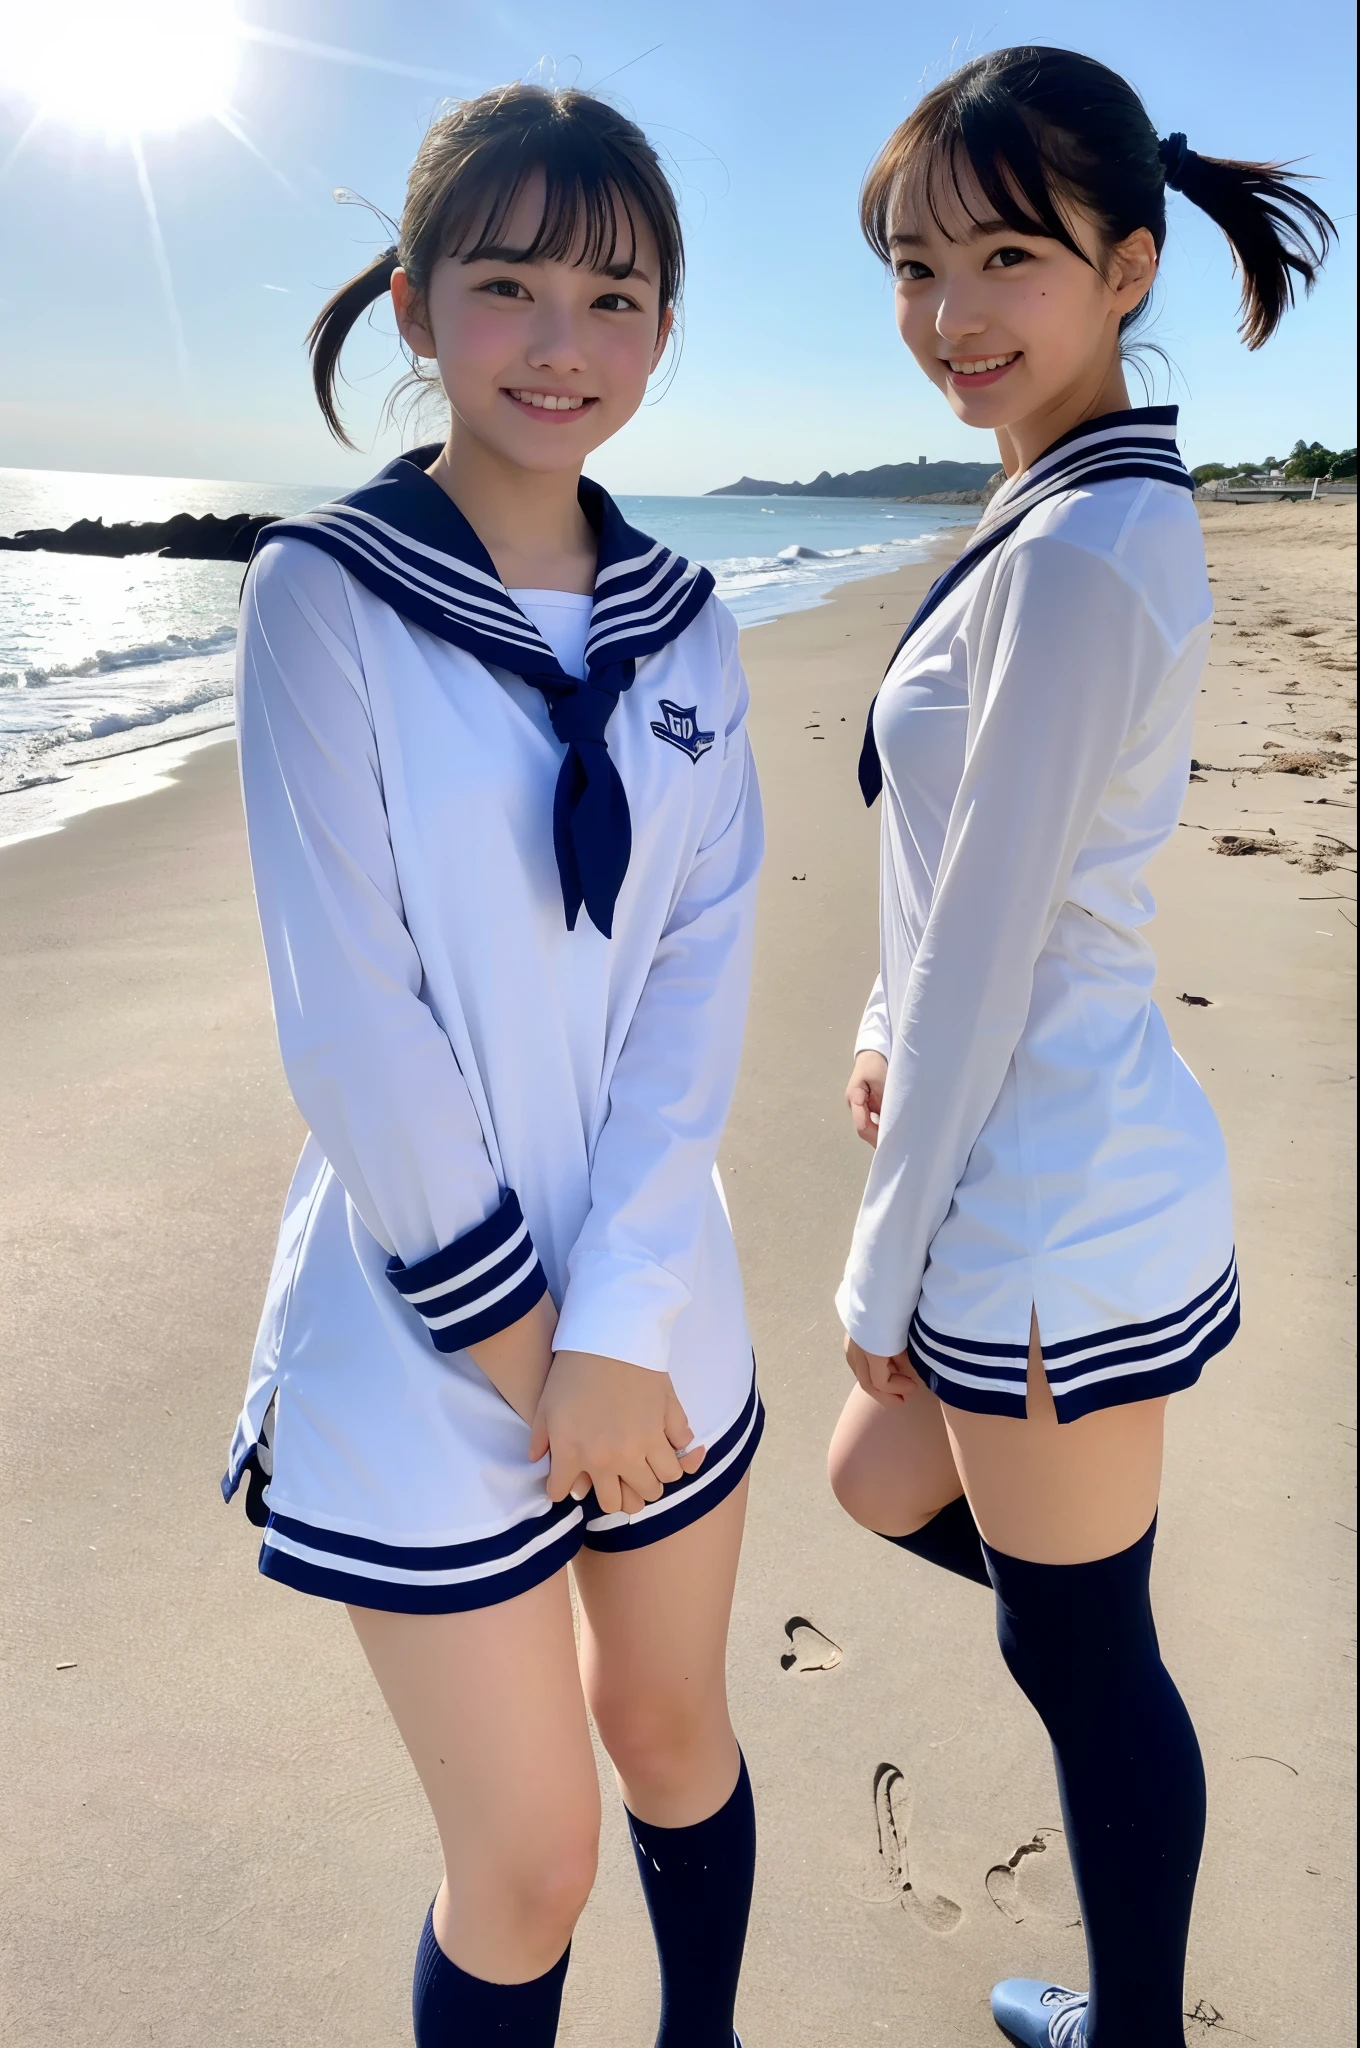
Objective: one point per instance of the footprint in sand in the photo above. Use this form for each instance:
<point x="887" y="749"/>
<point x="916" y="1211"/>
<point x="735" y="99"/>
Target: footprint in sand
<point x="892" y="1811"/>
<point x="809" y="1649"/>
<point x="1036" y="1882"/>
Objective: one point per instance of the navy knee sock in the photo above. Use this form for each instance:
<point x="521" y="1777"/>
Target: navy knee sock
<point x="452" y="2010"/>
<point x="697" y="1882"/>
<point x="950" y="1540"/>
<point x="1080" y="1643"/>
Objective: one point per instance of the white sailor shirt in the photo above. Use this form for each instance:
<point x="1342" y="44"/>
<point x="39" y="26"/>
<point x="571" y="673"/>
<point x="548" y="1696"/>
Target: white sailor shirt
<point x="496" y="1103"/>
<point x="1041" y="1145"/>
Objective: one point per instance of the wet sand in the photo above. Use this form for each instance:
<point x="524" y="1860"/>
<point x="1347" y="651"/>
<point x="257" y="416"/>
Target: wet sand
<point x="213" y="1834"/>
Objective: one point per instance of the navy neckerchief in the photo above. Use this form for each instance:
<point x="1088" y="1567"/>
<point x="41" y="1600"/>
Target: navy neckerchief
<point x="406" y="541"/>
<point x="1141" y="442"/>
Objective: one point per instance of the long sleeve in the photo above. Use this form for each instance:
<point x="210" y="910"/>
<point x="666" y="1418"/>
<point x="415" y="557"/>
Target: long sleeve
<point x="631" y="1269"/>
<point x="875" y="1026"/>
<point x="1069" y="652"/>
<point x="368" y="1064"/>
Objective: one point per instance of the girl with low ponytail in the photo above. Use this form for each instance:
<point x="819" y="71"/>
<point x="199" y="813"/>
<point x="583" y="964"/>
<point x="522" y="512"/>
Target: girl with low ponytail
<point x="1044" y="1251"/>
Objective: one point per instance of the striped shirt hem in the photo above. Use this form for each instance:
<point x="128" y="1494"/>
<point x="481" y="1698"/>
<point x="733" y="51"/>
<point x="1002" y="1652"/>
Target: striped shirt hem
<point x="453" y="1578"/>
<point x="1135" y="1362"/>
<point x="409" y="1578"/>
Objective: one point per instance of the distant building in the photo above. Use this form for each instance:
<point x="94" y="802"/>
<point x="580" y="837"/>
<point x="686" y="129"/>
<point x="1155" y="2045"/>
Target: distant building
<point x="923" y="459"/>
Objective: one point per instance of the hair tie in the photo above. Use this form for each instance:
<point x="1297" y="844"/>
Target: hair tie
<point x="1174" y="153"/>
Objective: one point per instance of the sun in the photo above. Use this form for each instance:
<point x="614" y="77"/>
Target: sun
<point x="123" y="68"/>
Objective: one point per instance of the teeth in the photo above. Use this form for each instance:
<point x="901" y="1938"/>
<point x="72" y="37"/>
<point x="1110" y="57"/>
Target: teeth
<point x="988" y="363"/>
<point x="547" y="403"/>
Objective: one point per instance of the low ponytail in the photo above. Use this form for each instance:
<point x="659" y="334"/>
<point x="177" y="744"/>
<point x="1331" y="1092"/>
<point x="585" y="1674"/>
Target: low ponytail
<point x="1040" y="127"/>
<point x="1276" y="232"/>
<point x="327" y="333"/>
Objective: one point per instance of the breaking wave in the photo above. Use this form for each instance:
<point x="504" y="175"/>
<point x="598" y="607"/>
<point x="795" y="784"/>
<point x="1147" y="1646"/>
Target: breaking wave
<point x="108" y="661"/>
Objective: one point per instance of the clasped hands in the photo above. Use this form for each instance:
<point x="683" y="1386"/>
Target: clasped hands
<point x="602" y="1423"/>
<point x="619" y="1428"/>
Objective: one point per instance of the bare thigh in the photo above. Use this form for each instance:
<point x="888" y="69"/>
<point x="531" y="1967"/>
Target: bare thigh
<point x="1055" y="1493"/>
<point x="654" y="1664"/>
<point x="892" y="1468"/>
<point x="1060" y="1492"/>
<point x="489" y="1706"/>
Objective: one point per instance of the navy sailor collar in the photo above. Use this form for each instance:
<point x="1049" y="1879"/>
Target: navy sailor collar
<point x="404" y="539"/>
<point x="1138" y="443"/>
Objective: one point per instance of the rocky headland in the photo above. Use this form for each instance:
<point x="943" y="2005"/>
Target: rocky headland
<point x="906" y="483"/>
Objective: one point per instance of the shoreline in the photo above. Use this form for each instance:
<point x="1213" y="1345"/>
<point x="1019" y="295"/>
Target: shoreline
<point x="149" y="1139"/>
<point x="99" y="773"/>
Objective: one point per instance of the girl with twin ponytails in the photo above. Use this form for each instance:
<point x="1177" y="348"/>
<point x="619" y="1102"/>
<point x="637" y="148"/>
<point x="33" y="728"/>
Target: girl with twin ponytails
<point x="505" y="834"/>
<point x="1044" y="1252"/>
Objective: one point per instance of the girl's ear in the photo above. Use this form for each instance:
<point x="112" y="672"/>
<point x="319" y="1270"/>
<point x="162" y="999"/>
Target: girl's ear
<point x="410" y="311"/>
<point x="1133" y="269"/>
<point x="663" y="335"/>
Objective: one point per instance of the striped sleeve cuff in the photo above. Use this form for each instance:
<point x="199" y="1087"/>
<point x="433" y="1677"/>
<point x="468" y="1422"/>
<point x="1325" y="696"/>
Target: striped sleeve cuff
<point x="481" y="1283"/>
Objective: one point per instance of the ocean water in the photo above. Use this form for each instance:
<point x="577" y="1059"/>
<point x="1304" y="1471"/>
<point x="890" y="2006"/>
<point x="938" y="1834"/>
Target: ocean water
<point x="102" y="658"/>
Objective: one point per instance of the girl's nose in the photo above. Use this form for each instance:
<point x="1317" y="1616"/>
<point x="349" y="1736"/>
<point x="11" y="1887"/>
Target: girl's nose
<point x="556" y="343"/>
<point x="958" y="315"/>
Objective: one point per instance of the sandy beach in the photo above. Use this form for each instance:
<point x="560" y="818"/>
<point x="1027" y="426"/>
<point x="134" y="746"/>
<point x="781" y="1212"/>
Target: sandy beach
<point x="213" y="1836"/>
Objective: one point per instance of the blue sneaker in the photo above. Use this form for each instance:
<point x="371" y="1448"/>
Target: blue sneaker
<point x="1039" y="2015"/>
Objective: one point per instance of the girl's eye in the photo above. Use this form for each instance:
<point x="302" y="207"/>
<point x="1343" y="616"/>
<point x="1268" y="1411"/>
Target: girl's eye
<point x="911" y="272"/>
<point x="505" y="288"/>
<point x="614" y="302"/>
<point x="1006" y="259"/>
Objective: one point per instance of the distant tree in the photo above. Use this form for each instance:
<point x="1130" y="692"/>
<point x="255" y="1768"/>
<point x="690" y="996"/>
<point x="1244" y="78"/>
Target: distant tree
<point x="1211" y="472"/>
<point x="1309" y="459"/>
<point x="1344" y="465"/>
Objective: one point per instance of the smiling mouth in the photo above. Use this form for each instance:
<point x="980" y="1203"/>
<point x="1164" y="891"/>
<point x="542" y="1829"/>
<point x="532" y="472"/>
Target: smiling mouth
<point x="557" y="404"/>
<point x="980" y="369"/>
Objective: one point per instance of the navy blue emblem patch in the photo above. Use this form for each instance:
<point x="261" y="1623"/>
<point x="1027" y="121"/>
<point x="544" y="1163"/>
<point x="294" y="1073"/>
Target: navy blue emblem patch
<point x="681" y="729"/>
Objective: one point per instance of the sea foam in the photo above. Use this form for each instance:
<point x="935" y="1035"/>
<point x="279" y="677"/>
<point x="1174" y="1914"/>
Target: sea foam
<point x="109" y="660"/>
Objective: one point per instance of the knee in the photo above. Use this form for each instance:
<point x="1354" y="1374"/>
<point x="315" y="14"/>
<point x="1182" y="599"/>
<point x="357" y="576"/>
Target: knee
<point x="848" y="1471"/>
<point x="657" y="1744"/>
<point x="546" y="1891"/>
<point x="520" y="1895"/>
<point x="869" y="1492"/>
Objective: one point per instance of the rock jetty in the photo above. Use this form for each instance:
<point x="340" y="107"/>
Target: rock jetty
<point x="188" y="537"/>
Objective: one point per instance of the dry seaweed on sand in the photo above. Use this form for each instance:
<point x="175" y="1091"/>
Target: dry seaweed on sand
<point x="1236" y="844"/>
<point x="1321" y="763"/>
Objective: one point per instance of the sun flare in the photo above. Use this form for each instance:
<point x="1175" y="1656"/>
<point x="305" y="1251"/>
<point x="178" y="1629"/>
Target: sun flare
<point x="123" y="68"/>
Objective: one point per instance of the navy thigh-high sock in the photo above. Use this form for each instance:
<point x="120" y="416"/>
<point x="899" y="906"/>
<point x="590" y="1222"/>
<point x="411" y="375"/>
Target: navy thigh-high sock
<point x="950" y="1540"/>
<point x="1080" y="1642"/>
<point x="697" y="1882"/>
<point x="452" y="2010"/>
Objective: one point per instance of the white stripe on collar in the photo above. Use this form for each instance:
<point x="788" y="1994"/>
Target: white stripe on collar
<point x="405" y="539"/>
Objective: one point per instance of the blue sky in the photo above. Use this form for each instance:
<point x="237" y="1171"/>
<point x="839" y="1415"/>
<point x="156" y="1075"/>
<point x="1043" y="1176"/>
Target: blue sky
<point x="768" y="115"/>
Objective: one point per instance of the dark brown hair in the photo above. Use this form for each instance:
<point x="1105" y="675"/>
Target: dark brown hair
<point x="1038" y="127"/>
<point x="597" y="166"/>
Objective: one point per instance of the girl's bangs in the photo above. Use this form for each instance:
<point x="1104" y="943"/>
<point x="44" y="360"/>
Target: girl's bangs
<point x="589" y="217"/>
<point x="978" y="161"/>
